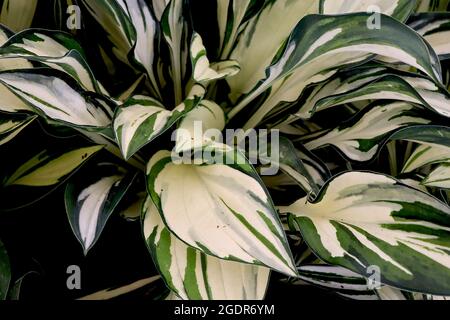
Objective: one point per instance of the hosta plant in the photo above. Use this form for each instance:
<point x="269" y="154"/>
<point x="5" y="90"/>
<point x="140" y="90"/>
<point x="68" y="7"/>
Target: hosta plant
<point x="351" y="97"/>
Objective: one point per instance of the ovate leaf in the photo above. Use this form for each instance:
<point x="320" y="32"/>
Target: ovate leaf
<point x="233" y="213"/>
<point x="194" y="275"/>
<point x="91" y="199"/>
<point x="363" y="219"/>
<point x="193" y="129"/>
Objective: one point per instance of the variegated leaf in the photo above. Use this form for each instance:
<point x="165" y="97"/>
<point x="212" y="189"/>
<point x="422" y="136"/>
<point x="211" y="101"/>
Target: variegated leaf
<point x="5" y="272"/>
<point x="363" y="219"/>
<point x="10" y="127"/>
<point x="435" y="28"/>
<point x="399" y="9"/>
<point x="292" y="165"/>
<point x="145" y="48"/>
<point x="426" y="154"/>
<point x="232" y="16"/>
<point x="359" y="138"/>
<point x="432" y="5"/>
<point x="91" y="199"/>
<point x="49" y="168"/>
<point x="374" y="82"/>
<point x="254" y="50"/>
<point x="306" y="57"/>
<point x="439" y="177"/>
<point x="434" y="135"/>
<point x="18" y="14"/>
<point x="53" y="49"/>
<point x="141" y="119"/>
<point x="115" y="292"/>
<point x="194" y="275"/>
<point x="338" y="279"/>
<point x="112" y="16"/>
<point x="235" y="218"/>
<point x="390" y="87"/>
<point x="132" y="32"/>
<point x="58" y="97"/>
<point x="204" y="71"/>
<point x="173" y="25"/>
<point x="207" y="118"/>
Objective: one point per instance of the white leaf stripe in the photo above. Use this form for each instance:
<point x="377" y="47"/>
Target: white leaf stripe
<point x="173" y="26"/>
<point x="138" y="122"/>
<point x="399" y="9"/>
<point x="49" y="168"/>
<point x="392" y="88"/>
<point x="111" y="15"/>
<point x="342" y="281"/>
<point x="91" y="201"/>
<point x="208" y="115"/>
<point x="57" y="97"/>
<point x="195" y="275"/>
<point x="306" y="56"/>
<point x="435" y="28"/>
<point x="141" y="119"/>
<point x="237" y="219"/>
<point x="57" y="50"/>
<point x="144" y="49"/>
<point x="230" y="17"/>
<point x="18" y="14"/>
<point x="359" y="139"/>
<point x="439" y="177"/>
<point x="255" y="50"/>
<point x="363" y="219"/>
<point x="373" y="82"/>
<point x="203" y="71"/>
<point x="426" y="154"/>
<point x="10" y="127"/>
<point x="10" y="102"/>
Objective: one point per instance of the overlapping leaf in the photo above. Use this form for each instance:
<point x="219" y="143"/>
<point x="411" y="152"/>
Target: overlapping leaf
<point x="141" y="119"/>
<point x="235" y="219"/>
<point x="359" y="139"/>
<point x="362" y="219"/>
<point x="194" y="275"/>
